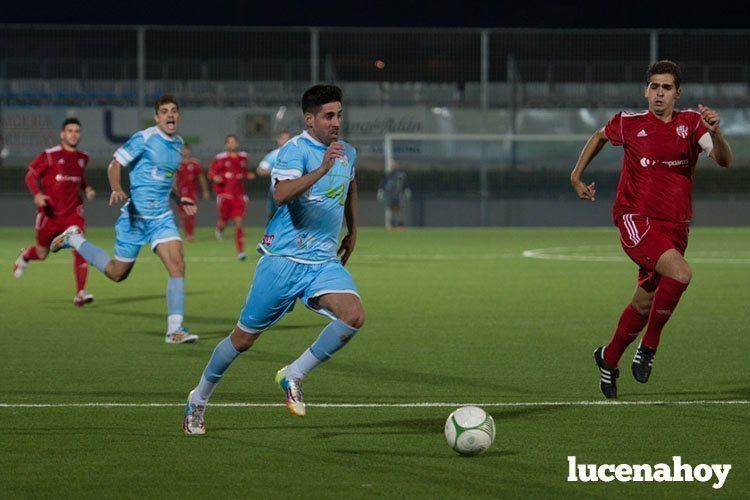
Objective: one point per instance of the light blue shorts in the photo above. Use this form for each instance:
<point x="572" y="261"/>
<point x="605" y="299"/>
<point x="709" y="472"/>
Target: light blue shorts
<point x="132" y="233"/>
<point x="279" y="282"/>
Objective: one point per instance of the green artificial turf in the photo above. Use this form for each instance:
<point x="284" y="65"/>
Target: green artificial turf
<point x="453" y="316"/>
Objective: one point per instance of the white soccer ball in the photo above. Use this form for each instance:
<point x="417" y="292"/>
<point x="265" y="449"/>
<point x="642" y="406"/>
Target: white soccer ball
<point x="470" y="430"/>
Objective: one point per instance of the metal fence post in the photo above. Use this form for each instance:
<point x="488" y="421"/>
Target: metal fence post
<point x="484" y="68"/>
<point x="141" y="42"/>
<point x="314" y="56"/>
<point x="484" y="65"/>
<point x="653" y="46"/>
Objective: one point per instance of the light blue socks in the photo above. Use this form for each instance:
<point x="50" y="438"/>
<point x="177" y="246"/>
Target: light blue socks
<point x="222" y="357"/>
<point x="331" y="339"/>
<point x="93" y="255"/>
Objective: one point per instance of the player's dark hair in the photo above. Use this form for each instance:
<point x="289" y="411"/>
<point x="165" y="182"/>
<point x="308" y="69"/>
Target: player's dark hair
<point x="165" y="99"/>
<point x="229" y="136"/>
<point x="70" y="121"/>
<point x="665" y="67"/>
<point x="318" y="95"/>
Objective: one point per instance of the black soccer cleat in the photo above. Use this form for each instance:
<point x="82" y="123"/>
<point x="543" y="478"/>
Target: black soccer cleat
<point x="607" y="376"/>
<point x="642" y="363"/>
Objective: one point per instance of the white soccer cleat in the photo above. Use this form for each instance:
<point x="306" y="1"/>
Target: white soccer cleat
<point x="20" y="265"/>
<point x="292" y="388"/>
<point x="180" y="336"/>
<point x="242" y="256"/>
<point x="82" y="298"/>
<point x="194" y="423"/>
<point x="218" y="235"/>
<point x="62" y="240"/>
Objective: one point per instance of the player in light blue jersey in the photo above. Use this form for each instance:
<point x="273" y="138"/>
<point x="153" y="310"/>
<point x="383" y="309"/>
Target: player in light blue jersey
<point x="315" y="191"/>
<point x="266" y="166"/>
<point x="153" y="155"/>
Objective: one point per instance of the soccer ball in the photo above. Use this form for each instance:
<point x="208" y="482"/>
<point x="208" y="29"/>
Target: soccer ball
<point x="469" y="430"/>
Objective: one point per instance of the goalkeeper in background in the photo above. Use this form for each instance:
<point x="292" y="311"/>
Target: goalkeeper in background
<point x="395" y="193"/>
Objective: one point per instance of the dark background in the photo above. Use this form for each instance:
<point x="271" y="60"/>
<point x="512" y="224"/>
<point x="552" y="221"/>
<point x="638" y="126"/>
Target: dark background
<point x="587" y="14"/>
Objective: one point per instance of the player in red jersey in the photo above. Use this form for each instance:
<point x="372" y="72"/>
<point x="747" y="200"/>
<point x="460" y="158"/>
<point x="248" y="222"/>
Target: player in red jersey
<point x="56" y="179"/>
<point x="228" y="173"/>
<point x="652" y="209"/>
<point x="189" y="176"/>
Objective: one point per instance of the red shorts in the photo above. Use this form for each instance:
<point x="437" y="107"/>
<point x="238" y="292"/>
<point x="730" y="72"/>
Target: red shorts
<point x="47" y="227"/>
<point x="230" y="207"/>
<point x="645" y="240"/>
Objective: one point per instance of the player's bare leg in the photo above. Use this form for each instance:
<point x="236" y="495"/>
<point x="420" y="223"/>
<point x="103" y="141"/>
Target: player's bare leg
<point x="35" y="252"/>
<point x="117" y="270"/>
<point x="172" y="255"/>
<point x="350" y="316"/>
<point x="239" y="241"/>
<point x="675" y="277"/>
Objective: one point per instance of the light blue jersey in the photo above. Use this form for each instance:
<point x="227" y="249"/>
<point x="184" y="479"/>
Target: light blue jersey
<point x="269" y="160"/>
<point x="267" y="164"/>
<point x="153" y="158"/>
<point x="307" y="228"/>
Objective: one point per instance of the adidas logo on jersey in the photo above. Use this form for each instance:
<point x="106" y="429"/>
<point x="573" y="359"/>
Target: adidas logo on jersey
<point x="642" y="133"/>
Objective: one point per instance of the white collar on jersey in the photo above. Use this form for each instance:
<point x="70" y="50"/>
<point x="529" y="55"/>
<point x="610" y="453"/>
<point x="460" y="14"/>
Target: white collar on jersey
<point x="313" y="140"/>
<point x="165" y="136"/>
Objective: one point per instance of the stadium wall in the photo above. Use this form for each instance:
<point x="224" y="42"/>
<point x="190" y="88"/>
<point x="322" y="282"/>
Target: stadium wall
<point x="431" y="212"/>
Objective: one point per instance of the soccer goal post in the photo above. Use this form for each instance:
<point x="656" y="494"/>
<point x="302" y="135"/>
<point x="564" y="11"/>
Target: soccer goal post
<point x="449" y="172"/>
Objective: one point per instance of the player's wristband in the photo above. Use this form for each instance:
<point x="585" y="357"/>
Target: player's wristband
<point x="178" y="199"/>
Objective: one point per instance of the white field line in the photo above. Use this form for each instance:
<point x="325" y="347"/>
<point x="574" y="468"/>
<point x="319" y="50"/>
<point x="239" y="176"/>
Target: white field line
<point x="362" y="257"/>
<point x="434" y="404"/>
<point x="579" y="254"/>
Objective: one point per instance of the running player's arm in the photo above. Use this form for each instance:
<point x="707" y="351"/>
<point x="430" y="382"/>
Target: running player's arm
<point x="114" y="175"/>
<point x="592" y="148"/>
<point x="204" y="185"/>
<point x="350" y="215"/>
<point x="249" y="174"/>
<point x="36" y="169"/>
<point x="289" y="182"/>
<point x="124" y="156"/>
<point x="265" y="166"/>
<point x="187" y="203"/>
<point x="718" y="146"/>
<point x="213" y="172"/>
<point x="87" y="189"/>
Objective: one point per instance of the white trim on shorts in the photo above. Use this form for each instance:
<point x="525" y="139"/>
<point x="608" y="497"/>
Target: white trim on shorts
<point x="325" y="312"/>
<point x="158" y="242"/>
<point x="247" y="329"/>
<point x="124" y="259"/>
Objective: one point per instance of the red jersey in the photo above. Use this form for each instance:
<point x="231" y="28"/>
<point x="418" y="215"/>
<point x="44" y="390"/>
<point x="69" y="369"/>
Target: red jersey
<point x="61" y="175"/>
<point x="187" y="178"/>
<point x="233" y="169"/>
<point x="659" y="163"/>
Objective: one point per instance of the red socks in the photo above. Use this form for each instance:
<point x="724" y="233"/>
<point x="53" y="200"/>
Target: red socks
<point x="81" y="270"/>
<point x="667" y="296"/>
<point x="30" y="254"/>
<point x="238" y="243"/>
<point x="630" y="325"/>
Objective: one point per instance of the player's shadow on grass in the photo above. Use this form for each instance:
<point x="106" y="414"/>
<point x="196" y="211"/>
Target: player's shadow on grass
<point x="382" y="372"/>
<point x="422" y="454"/>
<point x="712" y="395"/>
